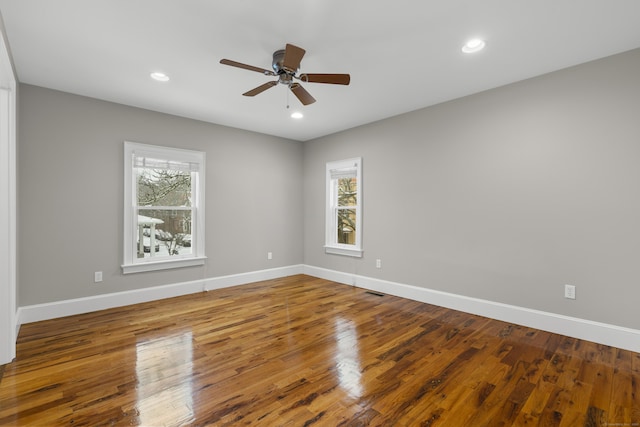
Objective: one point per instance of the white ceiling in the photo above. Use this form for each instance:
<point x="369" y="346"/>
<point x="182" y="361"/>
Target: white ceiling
<point x="402" y="55"/>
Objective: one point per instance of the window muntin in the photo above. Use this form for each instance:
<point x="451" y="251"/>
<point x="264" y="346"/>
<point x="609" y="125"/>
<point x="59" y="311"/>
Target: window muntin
<point x="344" y="213"/>
<point x="164" y="225"/>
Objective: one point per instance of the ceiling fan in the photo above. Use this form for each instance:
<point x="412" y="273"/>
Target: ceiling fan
<point x="286" y="64"/>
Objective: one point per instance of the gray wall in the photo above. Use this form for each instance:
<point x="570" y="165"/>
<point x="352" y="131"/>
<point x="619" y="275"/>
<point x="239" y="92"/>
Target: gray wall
<point x="505" y="195"/>
<point x="70" y="195"/>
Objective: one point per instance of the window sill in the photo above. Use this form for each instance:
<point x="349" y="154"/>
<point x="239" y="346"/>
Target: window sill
<point x="353" y="252"/>
<point x="162" y="265"/>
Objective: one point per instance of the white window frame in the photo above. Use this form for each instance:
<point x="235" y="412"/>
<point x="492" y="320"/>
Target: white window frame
<point x="133" y="264"/>
<point x="331" y="216"/>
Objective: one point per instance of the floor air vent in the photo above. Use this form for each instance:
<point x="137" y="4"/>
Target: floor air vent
<point x="378" y="294"/>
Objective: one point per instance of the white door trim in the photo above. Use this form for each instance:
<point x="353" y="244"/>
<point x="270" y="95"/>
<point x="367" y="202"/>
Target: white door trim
<point x="8" y="205"/>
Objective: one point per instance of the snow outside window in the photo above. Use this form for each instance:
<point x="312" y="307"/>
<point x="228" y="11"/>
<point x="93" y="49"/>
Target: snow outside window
<point x="344" y="207"/>
<point x="164" y="208"/>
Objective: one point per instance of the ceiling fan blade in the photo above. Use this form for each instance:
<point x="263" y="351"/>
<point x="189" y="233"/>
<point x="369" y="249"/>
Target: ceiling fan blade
<point x="260" y="89"/>
<point x="292" y="57"/>
<point x="247" y="67"/>
<point x="336" y="79"/>
<point x="302" y="94"/>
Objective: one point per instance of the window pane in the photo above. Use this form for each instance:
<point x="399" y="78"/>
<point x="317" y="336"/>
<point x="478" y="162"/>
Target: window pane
<point x="347" y="226"/>
<point x="163" y="187"/>
<point x="164" y="232"/>
<point x="347" y="192"/>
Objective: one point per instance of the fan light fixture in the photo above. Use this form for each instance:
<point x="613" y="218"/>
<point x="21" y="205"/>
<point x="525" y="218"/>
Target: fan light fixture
<point x="297" y="115"/>
<point x="161" y="77"/>
<point x="473" y="45"/>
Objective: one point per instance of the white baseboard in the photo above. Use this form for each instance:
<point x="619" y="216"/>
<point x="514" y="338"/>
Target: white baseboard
<point x="602" y="333"/>
<point x="52" y="310"/>
<point x="253" y="276"/>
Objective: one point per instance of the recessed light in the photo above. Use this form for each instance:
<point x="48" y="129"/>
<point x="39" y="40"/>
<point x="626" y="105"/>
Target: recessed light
<point x="473" y="45"/>
<point x="297" y="115"/>
<point x="161" y="77"/>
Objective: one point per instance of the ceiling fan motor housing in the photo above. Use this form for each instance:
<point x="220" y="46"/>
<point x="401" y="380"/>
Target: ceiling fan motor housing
<point x="285" y="74"/>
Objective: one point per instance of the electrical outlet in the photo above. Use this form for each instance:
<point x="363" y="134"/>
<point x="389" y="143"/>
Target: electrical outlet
<point x="269" y="255"/>
<point x="378" y="263"/>
<point x="97" y="276"/>
<point x="570" y="291"/>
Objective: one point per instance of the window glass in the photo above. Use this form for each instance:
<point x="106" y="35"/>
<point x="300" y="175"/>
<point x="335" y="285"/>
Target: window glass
<point x="164" y="212"/>
<point x="344" y="210"/>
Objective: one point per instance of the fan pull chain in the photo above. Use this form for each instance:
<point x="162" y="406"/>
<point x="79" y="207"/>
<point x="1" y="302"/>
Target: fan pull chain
<point x="288" y="87"/>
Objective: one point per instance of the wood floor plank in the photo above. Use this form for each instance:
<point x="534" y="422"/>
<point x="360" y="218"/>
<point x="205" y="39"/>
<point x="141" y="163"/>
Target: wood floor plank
<point x="303" y="351"/>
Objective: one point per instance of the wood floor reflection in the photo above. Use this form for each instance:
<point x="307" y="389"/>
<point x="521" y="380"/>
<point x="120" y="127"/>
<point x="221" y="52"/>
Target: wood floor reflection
<point x="302" y="351"/>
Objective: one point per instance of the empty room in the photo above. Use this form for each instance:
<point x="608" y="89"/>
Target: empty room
<point x="319" y="213"/>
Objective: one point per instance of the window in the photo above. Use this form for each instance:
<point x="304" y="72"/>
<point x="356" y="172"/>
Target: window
<point x="163" y="208"/>
<point x="344" y="208"/>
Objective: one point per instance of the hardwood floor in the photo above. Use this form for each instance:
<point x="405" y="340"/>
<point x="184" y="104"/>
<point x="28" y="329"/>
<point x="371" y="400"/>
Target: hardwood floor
<point x="302" y="351"/>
